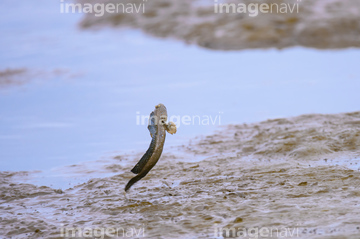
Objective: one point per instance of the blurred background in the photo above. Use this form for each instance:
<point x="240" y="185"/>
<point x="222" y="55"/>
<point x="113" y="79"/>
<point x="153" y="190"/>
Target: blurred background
<point x="72" y="84"/>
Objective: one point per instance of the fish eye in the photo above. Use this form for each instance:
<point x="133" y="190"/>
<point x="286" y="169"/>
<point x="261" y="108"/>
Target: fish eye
<point x="163" y="119"/>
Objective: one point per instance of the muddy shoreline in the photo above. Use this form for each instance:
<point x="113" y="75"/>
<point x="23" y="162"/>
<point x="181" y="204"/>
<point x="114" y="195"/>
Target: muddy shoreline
<point x="320" y="24"/>
<point x="300" y="173"/>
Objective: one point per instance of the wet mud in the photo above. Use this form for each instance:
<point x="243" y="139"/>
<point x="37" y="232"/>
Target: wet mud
<point x="11" y="77"/>
<point x="320" y="24"/>
<point x="15" y="77"/>
<point x="301" y="174"/>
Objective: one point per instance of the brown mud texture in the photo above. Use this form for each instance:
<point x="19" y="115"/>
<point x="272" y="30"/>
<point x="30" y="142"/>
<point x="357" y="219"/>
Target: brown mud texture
<point x="321" y="24"/>
<point x="299" y="176"/>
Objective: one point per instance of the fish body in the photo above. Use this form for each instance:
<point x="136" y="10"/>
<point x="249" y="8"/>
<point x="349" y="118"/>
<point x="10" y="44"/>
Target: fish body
<point x="157" y="126"/>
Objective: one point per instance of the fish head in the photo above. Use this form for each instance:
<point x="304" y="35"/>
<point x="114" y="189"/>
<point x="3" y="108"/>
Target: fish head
<point x="161" y="113"/>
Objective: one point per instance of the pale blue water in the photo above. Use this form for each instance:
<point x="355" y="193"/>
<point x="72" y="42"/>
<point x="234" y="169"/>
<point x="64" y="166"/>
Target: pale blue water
<point x="61" y="121"/>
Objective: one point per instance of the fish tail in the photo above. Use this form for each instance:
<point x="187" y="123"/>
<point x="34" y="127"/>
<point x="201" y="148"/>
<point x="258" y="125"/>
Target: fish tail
<point x="134" y="180"/>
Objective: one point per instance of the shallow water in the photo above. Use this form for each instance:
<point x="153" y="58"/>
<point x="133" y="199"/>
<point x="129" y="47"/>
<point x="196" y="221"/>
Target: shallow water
<point x="69" y="133"/>
<point x="85" y="89"/>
